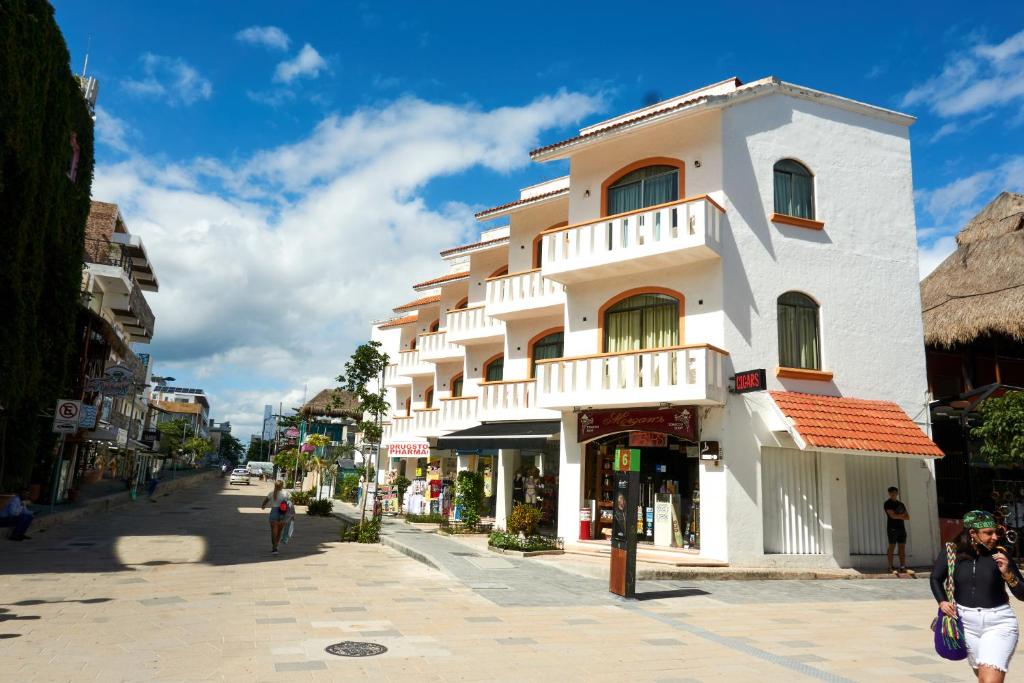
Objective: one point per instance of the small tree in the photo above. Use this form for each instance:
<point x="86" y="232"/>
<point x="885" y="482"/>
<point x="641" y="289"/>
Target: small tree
<point x="231" y="449"/>
<point x="196" y="448"/>
<point x="1002" y="432"/>
<point x="469" y="496"/>
<point x="172" y="435"/>
<point x="367" y="367"/>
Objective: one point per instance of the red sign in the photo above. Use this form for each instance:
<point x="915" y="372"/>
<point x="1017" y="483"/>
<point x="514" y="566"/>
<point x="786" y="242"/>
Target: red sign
<point x="750" y="380"/>
<point x="677" y="421"/>
<point x="647" y="440"/>
<point x="409" y="449"/>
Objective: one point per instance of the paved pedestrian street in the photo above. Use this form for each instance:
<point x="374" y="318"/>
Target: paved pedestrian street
<point x="185" y="589"/>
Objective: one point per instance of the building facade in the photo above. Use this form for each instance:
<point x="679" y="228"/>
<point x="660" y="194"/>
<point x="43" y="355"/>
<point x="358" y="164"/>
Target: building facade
<point x="183" y="403"/>
<point x="761" y="226"/>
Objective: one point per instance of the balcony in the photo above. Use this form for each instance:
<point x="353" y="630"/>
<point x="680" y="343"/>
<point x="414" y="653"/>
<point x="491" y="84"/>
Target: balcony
<point x="682" y="374"/>
<point x="459" y="412"/>
<point x="399" y="427"/>
<point x="134" y="314"/>
<point x="512" y="400"/>
<point x="410" y="364"/>
<point x="393" y="379"/>
<point x="427" y="422"/>
<point x="435" y="347"/>
<point x="520" y="295"/>
<point x="473" y="326"/>
<point x="673" y="234"/>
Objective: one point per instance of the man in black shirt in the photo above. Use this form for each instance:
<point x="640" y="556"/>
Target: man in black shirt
<point x="895" y="515"/>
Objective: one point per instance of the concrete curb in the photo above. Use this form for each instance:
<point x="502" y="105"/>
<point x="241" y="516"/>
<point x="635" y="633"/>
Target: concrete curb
<point x="388" y="540"/>
<point x="524" y="553"/>
<point x="116" y="500"/>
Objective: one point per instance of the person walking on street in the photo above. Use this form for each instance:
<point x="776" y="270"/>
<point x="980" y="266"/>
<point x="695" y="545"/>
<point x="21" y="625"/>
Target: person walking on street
<point x="982" y="573"/>
<point x="280" y="507"/>
<point x="896" y="529"/>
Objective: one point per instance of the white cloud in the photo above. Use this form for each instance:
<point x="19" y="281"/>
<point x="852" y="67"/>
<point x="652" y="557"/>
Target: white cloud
<point x="929" y="257"/>
<point x="112" y="131"/>
<point x="956" y="202"/>
<point x="267" y="36"/>
<point x="170" y="79"/>
<point x="307" y="64"/>
<point x="972" y="81"/>
<point x="271" y="267"/>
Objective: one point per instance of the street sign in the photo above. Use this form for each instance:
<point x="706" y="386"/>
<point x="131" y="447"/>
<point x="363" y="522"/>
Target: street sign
<point x="66" y="415"/>
<point x="749" y="380"/>
<point x="710" y="450"/>
<point x="87" y="419"/>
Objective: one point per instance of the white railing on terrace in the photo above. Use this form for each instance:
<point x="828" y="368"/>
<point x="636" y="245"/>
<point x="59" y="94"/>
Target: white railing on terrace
<point x="392" y="378"/>
<point x="459" y="412"/>
<point x="680" y="374"/>
<point x="409" y="363"/>
<point x="401" y="425"/>
<point x="435" y="345"/>
<point x="511" y="399"/>
<point x="427" y="422"/>
<point x="662" y="234"/>
<point x="469" y="324"/>
<point x="522" y="291"/>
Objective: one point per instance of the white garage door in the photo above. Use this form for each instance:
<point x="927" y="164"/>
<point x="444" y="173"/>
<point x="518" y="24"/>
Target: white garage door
<point x="867" y="483"/>
<point x="790" y="502"/>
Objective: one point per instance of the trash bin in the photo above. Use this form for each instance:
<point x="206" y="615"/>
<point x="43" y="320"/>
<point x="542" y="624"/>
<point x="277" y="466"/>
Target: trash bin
<point x="585" y="534"/>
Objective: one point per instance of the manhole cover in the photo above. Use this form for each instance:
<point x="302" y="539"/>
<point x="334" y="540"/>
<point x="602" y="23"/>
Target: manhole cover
<point x="352" y="648"/>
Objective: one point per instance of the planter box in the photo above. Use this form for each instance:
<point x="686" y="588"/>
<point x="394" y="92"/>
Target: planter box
<point x="524" y="553"/>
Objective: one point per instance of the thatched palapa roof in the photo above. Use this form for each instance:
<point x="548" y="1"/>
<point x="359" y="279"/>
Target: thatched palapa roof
<point x="332" y="403"/>
<point x="979" y="289"/>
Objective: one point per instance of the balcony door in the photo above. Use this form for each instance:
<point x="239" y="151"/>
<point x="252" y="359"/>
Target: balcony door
<point x="642" y="321"/>
<point x="647" y="186"/>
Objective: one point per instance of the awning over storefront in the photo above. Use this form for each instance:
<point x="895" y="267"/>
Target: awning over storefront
<point x="535" y="434"/>
<point x="852" y="425"/>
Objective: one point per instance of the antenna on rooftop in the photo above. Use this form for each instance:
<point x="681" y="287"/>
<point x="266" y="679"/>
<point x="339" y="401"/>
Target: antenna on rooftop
<point x="88" y="46"/>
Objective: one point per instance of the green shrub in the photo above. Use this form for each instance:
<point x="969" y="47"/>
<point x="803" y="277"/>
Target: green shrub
<point x="523" y="519"/>
<point x="348" y="488"/>
<point x="469" y="496"/>
<point x="303" y="497"/>
<point x="289" y="483"/>
<point x="401" y="483"/>
<point x="366" y="532"/>
<point x="320" y="508"/>
<point x="509" y="541"/>
<point x="432" y="518"/>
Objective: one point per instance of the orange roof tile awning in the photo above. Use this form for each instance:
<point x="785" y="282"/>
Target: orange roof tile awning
<point x="396" y="322"/>
<point x="832" y="423"/>
<point x="418" y="303"/>
<point x="444" y="279"/>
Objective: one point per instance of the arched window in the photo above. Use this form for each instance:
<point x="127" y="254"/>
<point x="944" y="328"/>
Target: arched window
<point x="461" y="304"/>
<point x="799" y="336"/>
<point x="412" y="344"/>
<point x="647" y="186"/>
<point x="435" y="326"/>
<point x="499" y="272"/>
<point x="494" y="369"/>
<point x="794" y="189"/>
<point x="549" y="346"/>
<point x="428" y="398"/>
<point x="538" y="251"/>
<point x="642" y="321"/>
<point x="456" y="385"/>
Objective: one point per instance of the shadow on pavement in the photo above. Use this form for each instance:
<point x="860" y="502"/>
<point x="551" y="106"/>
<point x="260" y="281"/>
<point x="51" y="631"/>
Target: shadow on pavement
<point x="678" y="593"/>
<point x="212" y="524"/>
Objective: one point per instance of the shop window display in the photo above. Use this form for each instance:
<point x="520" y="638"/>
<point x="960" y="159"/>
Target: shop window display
<point x="535" y="483"/>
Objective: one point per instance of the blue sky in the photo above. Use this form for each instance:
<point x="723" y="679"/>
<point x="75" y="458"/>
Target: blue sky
<point x="264" y="149"/>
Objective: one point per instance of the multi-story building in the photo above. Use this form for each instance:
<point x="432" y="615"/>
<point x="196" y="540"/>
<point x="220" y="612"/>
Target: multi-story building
<point x="182" y="403"/>
<point x="760" y="226"/>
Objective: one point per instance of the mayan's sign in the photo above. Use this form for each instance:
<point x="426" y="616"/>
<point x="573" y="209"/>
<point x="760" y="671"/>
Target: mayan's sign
<point x="680" y="421"/>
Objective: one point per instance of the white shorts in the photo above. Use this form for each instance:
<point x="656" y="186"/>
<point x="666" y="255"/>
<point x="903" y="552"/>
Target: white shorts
<point x="991" y="635"/>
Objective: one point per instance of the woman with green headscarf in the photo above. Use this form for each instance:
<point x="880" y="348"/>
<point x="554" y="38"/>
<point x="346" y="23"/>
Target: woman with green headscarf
<point x="982" y="573"/>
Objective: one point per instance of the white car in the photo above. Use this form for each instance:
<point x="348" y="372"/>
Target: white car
<point x="239" y="476"/>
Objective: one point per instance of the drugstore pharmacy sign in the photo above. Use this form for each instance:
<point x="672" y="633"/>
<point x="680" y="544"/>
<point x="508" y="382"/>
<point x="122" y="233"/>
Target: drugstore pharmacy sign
<point x="678" y="421"/>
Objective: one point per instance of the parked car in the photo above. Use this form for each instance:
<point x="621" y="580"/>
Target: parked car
<point x="239" y="476"/>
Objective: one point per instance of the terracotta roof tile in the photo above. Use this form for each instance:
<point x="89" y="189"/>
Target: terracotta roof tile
<point x="854" y="424"/>
<point x="425" y="301"/>
<point x="519" y="202"/>
<point x="395" y="322"/>
<point x="450" y="277"/>
<point x="467" y="247"/>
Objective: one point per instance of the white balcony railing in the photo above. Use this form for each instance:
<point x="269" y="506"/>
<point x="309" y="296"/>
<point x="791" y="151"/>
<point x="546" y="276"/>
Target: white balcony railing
<point x="473" y="326"/>
<point x="410" y="364"/>
<point x="399" y="427"/>
<point x="427" y="422"/>
<point x="459" y="412"/>
<point x="434" y="346"/>
<point x="660" y="236"/>
<point x="523" y="294"/>
<point x="681" y="374"/>
<point x="393" y="379"/>
<point x="512" y="400"/>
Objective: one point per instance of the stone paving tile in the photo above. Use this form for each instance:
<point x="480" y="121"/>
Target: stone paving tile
<point x="483" y="620"/>
<point x="796" y="643"/>
<point x="300" y="666"/>
<point x="515" y="641"/>
<point x="936" y="678"/>
<point x="663" y="641"/>
<point x="277" y="620"/>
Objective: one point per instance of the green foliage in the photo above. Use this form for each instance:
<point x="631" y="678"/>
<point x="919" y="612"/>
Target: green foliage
<point x="513" y="541"/>
<point x="349" y="487"/>
<point x="320" y="508"/>
<point x="469" y="495"/>
<point x="258" y="450"/>
<point x="402" y="484"/>
<point x="287" y="460"/>
<point x="42" y="228"/>
<point x="523" y="519"/>
<point x="1002" y="432"/>
<point x="432" y="518"/>
<point x="172" y="434"/>
<point x="231" y="449"/>
<point x="289" y="483"/>
<point x="302" y="497"/>
<point x="196" y="447"/>
<point x="367" y="531"/>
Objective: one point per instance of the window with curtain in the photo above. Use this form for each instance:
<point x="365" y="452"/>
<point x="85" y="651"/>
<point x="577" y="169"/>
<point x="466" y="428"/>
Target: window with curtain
<point x="799" y="336"/>
<point x="794" y="189"/>
<point x="538" y="253"/>
<point x="457" y="386"/>
<point x="435" y="326"/>
<point x="644" y="321"/>
<point x="643" y="187"/>
<point x="428" y="398"/>
<point x="495" y="370"/>
<point x="549" y="346"/>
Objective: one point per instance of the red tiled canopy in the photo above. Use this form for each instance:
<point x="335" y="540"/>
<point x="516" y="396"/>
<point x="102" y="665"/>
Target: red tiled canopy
<point x="395" y="322"/>
<point x="418" y="303"/>
<point x="854" y="424"/>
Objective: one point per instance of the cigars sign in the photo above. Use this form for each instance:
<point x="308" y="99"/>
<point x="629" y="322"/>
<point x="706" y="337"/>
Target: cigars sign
<point x="677" y="421"/>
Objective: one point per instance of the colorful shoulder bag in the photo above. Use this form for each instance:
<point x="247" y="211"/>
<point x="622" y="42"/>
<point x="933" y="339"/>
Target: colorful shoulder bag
<point x="949" y="631"/>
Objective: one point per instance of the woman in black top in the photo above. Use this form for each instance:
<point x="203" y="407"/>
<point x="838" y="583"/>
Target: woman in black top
<point x="981" y="574"/>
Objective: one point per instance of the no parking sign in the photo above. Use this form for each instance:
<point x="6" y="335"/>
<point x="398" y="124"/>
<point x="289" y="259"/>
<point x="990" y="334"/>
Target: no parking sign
<point x="66" y="415"/>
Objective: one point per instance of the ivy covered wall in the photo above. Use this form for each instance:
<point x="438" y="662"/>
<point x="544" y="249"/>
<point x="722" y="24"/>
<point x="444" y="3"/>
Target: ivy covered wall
<point x="42" y="225"/>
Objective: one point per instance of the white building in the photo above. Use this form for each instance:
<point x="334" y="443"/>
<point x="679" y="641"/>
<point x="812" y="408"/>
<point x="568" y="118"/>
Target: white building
<point x="735" y="227"/>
